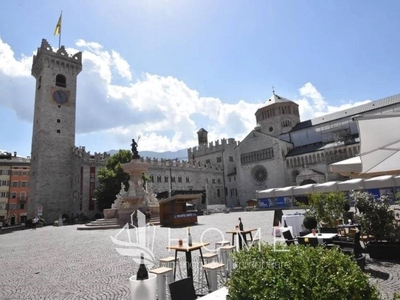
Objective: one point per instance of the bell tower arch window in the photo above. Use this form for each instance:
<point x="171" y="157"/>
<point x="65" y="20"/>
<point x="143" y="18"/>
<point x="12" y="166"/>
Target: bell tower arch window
<point x="61" y="80"/>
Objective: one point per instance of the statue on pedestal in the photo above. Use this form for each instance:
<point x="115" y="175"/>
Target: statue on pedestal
<point x="135" y="153"/>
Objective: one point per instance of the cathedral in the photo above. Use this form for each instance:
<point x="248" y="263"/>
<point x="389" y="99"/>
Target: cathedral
<point x="281" y="150"/>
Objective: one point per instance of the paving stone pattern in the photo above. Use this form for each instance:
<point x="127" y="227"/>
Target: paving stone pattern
<point x="64" y="263"/>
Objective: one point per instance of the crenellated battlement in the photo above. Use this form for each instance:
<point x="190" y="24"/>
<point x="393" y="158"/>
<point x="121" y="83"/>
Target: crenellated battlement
<point x="88" y="157"/>
<point x="212" y="147"/>
<point x="163" y="162"/>
<point x="46" y="57"/>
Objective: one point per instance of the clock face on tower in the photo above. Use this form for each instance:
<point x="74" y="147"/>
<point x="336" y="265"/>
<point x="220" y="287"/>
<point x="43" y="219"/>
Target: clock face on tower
<point x="60" y="96"/>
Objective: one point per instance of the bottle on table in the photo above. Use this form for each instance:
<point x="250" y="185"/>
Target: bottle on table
<point x="142" y="273"/>
<point x="189" y="238"/>
<point x="240" y="224"/>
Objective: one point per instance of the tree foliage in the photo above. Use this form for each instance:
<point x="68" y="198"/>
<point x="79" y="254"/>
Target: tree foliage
<point x="376" y="217"/>
<point x="110" y="179"/>
<point x="326" y="207"/>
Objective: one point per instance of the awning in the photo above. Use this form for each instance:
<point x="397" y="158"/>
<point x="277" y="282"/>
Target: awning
<point x="303" y="189"/>
<point x="284" y="192"/>
<point x="269" y="193"/>
<point x="331" y="186"/>
<point x="352" y="184"/>
<point x="385" y="181"/>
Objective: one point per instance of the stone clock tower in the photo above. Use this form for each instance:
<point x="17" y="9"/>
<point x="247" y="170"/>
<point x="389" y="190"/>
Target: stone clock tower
<point x="53" y="136"/>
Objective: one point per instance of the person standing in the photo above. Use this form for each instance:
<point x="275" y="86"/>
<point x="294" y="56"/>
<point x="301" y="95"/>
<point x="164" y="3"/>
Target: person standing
<point x="34" y="222"/>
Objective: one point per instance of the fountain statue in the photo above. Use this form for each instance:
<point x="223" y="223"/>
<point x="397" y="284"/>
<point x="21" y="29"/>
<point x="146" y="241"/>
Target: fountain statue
<point x="139" y="195"/>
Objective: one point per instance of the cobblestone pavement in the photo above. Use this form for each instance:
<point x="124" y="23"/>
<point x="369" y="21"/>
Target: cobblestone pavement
<point x="64" y="263"/>
<point x="386" y="275"/>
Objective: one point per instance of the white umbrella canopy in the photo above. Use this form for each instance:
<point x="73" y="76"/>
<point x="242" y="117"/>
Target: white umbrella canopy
<point x="331" y="186"/>
<point x="303" y="189"/>
<point x="347" y="166"/>
<point x="380" y="144"/>
<point x="268" y="193"/>
<point x="352" y="184"/>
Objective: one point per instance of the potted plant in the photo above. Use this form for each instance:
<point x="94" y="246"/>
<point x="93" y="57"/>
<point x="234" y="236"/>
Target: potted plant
<point x="378" y="223"/>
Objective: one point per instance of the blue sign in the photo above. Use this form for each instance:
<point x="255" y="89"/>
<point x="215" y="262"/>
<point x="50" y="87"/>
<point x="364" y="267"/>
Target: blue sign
<point x="280" y="202"/>
<point x="264" y="203"/>
<point x="375" y="192"/>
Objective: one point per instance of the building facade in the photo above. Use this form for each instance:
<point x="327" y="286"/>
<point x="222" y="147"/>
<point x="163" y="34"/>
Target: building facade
<point x="19" y="190"/>
<point x="14" y="188"/>
<point x="5" y="171"/>
<point x="283" y="151"/>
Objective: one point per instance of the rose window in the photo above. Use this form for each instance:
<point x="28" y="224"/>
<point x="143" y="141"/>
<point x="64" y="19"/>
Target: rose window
<point x="259" y="174"/>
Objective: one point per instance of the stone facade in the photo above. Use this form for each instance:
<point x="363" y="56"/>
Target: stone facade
<point x="283" y="151"/>
<point x="183" y="175"/>
<point x="60" y="172"/>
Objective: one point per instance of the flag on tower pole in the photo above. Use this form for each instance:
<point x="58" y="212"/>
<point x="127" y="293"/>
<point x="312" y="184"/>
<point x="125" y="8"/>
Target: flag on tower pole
<point x="57" y="30"/>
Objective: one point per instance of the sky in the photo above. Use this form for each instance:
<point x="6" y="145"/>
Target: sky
<point x="162" y="69"/>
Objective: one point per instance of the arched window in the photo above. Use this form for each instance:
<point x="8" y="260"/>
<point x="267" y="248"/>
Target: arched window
<point x="61" y="80"/>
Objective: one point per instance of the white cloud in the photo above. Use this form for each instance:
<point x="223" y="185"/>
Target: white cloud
<point x="121" y="65"/>
<point x="12" y="67"/>
<point x="312" y="104"/>
<point x="164" y="111"/>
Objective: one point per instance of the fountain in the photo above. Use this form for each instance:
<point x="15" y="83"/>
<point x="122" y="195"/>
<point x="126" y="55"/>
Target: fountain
<point x="139" y="194"/>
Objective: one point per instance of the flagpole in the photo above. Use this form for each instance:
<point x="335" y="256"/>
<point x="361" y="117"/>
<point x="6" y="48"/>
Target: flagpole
<point x="59" y="36"/>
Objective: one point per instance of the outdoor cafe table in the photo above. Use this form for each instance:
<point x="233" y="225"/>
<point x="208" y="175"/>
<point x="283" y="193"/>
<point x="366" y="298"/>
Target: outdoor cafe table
<point x="188" y="252"/>
<point x="243" y="233"/>
<point x="321" y="237"/>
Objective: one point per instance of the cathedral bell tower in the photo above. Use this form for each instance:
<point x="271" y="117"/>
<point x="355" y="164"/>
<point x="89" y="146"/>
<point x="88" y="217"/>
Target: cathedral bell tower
<point x="53" y="136"/>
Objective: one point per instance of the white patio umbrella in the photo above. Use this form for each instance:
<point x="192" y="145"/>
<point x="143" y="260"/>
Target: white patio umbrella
<point x="346" y="167"/>
<point x="303" y="189"/>
<point x="352" y="184"/>
<point x="380" y="144"/>
<point x="331" y="186"/>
